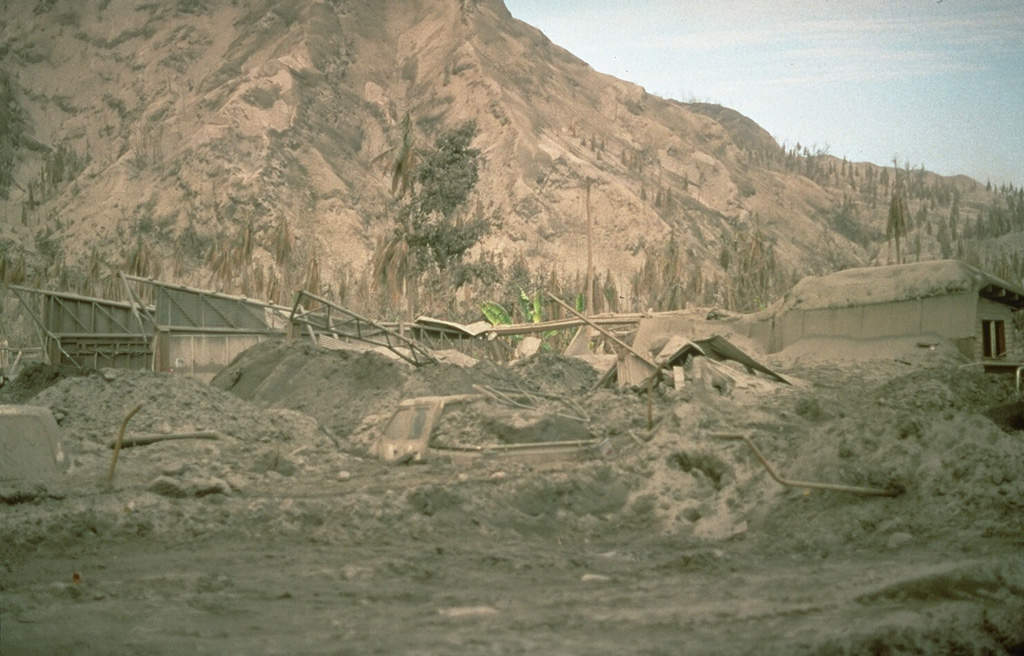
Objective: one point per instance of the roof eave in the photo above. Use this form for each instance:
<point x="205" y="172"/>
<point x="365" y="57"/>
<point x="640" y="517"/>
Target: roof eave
<point x="1000" y="294"/>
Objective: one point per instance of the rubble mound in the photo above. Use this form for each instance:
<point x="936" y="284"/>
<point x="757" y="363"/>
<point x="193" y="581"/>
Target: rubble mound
<point x="343" y="388"/>
<point x="948" y="387"/>
<point x="35" y="378"/>
<point x="90" y="408"/>
<point x="925" y="434"/>
<point x="555" y="374"/>
<point x="237" y="441"/>
<point x="337" y="387"/>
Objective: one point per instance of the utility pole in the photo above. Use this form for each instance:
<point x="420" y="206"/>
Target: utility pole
<point x="589" y="293"/>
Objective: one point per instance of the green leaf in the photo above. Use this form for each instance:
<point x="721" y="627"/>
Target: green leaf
<point x="524" y="304"/>
<point x="496" y="314"/>
<point x="581" y="303"/>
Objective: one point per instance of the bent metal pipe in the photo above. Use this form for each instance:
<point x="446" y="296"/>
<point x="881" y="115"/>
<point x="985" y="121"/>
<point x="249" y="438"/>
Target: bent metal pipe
<point x="835" y="487"/>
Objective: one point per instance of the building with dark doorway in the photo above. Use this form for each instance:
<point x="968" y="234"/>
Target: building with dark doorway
<point x="945" y="298"/>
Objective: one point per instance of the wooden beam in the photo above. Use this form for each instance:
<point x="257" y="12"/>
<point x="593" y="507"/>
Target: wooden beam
<point x="563" y="324"/>
<point x="601" y="330"/>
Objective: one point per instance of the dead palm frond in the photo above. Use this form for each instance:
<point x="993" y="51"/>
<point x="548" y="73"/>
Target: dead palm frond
<point x="141" y="261"/>
<point x="312" y="281"/>
<point x="91" y="281"/>
<point x="554" y="286"/>
<point x="404" y="158"/>
<point x="178" y="258"/>
<point x="344" y="286"/>
<point x="259" y="281"/>
<point x="896" y="226"/>
<point x="392" y="266"/>
<point x="405" y="161"/>
<point x="284" y="244"/>
<point x="243" y="244"/>
<point x="610" y="293"/>
<point x="275" y="290"/>
<point x="111" y="287"/>
<point x="220" y="261"/>
<point x="756" y="271"/>
<point x="14" y="273"/>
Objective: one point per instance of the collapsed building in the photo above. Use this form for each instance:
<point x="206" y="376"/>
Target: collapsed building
<point x="181" y="330"/>
<point x="177" y="329"/>
<point x="197" y="333"/>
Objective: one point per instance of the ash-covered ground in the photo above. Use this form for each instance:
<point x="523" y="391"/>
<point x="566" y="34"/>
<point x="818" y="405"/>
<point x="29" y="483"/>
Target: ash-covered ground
<point x="286" y="535"/>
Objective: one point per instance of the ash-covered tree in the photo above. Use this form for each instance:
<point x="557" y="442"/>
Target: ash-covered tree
<point x="896" y="226"/>
<point x="434" y="223"/>
<point x="425" y="256"/>
<point x="12" y="123"/>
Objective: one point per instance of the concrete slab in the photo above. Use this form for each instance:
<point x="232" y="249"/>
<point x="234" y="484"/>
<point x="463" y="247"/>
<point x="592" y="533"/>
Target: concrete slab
<point x="30" y="445"/>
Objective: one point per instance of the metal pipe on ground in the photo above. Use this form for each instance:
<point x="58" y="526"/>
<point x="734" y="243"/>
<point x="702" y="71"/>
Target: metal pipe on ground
<point x="518" y="446"/>
<point x="153" y="438"/>
<point x="118" y="442"/>
<point x="835" y="487"/>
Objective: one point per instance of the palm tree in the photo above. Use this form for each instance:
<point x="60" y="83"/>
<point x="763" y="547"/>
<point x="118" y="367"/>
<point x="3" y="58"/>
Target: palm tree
<point x="406" y="157"/>
<point x="404" y="168"/>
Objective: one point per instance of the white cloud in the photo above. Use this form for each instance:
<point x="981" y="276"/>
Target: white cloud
<point x="687" y="31"/>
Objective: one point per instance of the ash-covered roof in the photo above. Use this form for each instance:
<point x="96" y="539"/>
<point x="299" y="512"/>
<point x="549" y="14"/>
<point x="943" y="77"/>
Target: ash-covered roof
<point x="887" y="284"/>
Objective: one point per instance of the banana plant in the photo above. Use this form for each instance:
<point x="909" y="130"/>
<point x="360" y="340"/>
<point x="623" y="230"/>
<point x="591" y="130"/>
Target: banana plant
<point x="532" y="309"/>
<point x="496" y="314"/>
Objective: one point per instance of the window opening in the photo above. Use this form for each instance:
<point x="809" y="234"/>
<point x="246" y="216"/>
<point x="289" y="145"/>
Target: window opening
<point x="993" y="338"/>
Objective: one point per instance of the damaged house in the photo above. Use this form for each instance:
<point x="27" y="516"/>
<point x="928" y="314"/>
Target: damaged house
<point x="945" y="298"/>
<point x="184" y="330"/>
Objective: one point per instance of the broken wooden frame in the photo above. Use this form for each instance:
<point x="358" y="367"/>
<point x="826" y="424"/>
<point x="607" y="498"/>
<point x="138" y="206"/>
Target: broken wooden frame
<point x="473" y="339"/>
<point x="481" y="338"/>
<point x="322" y="317"/>
<point x="599" y="329"/>
<point x="565" y="324"/>
<point x="715" y="348"/>
<point x="530" y="452"/>
<point x="508" y="397"/>
<point x="9" y="370"/>
<point x="406" y="436"/>
<point x="146" y="439"/>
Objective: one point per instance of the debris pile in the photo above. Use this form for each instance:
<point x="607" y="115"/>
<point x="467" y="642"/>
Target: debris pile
<point x="286" y="444"/>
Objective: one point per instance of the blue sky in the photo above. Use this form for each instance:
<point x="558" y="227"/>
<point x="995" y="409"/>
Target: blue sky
<point x="934" y="82"/>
